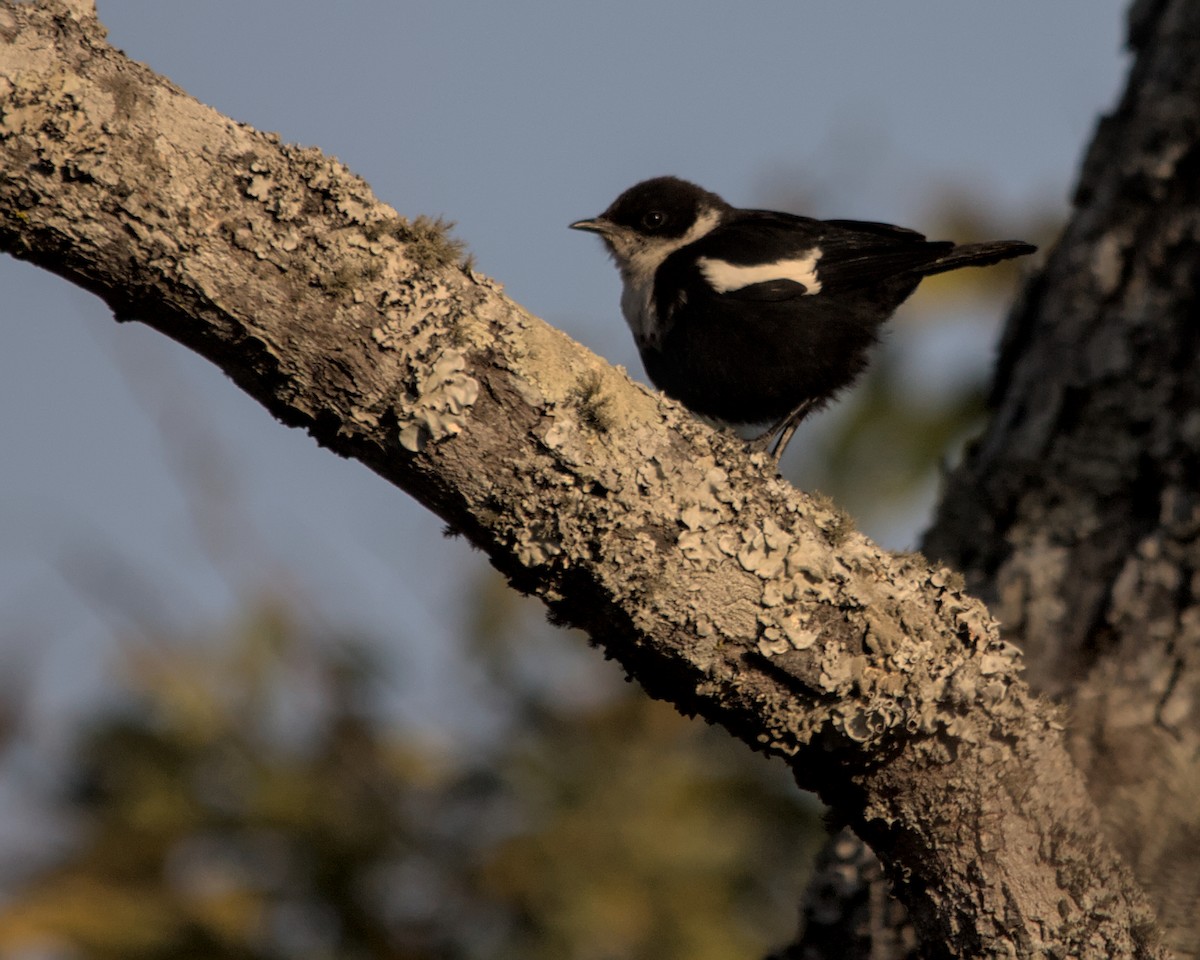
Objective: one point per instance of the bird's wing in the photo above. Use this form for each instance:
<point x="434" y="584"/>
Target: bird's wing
<point x="844" y="254"/>
<point x="860" y="254"/>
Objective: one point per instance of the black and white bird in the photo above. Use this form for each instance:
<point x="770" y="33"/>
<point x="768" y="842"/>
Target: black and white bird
<point x="751" y="316"/>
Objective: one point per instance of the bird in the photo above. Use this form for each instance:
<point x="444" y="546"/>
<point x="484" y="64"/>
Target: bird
<point x="758" y="317"/>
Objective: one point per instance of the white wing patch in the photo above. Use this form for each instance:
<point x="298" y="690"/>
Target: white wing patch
<point x="723" y="276"/>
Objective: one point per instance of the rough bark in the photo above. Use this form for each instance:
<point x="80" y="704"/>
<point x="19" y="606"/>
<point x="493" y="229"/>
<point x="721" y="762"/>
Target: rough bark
<point x="1077" y="513"/>
<point x="849" y="912"/>
<point x="715" y="583"/>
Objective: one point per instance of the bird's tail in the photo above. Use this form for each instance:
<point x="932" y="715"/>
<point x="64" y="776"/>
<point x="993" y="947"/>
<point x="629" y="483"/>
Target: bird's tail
<point x="979" y="255"/>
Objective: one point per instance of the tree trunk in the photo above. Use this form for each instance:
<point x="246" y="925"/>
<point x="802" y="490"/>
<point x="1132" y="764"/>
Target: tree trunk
<point x="716" y="585"/>
<point x="1077" y="514"/>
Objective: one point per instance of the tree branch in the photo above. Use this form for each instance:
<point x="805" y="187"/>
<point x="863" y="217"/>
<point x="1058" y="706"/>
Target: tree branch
<point x="714" y="583"/>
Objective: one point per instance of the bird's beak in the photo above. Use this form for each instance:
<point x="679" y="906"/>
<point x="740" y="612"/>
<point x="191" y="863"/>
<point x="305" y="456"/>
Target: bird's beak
<point x="595" y="225"/>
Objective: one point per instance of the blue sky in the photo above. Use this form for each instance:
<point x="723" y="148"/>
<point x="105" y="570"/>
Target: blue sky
<point x="512" y="119"/>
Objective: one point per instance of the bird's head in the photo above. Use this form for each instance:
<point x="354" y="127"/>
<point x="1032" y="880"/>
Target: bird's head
<point x="651" y="220"/>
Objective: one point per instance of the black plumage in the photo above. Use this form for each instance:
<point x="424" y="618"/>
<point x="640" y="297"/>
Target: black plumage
<point x="752" y="316"/>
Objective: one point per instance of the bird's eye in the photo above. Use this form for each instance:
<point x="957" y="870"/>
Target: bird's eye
<point x="654" y="219"/>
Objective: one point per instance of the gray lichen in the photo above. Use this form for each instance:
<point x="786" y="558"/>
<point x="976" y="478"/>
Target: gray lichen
<point x="439" y="410"/>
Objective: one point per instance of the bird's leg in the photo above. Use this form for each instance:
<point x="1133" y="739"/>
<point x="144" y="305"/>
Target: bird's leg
<point x="783" y="429"/>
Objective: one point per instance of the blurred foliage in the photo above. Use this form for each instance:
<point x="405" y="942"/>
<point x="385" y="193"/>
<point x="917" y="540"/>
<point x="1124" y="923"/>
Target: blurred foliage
<point x="246" y="801"/>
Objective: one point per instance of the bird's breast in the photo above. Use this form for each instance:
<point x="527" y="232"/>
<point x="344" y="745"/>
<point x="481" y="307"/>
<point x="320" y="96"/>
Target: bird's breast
<point x="637" y="306"/>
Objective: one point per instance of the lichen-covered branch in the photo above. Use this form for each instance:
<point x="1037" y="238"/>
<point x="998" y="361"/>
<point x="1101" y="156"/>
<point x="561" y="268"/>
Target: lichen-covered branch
<point x="714" y="582"/>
